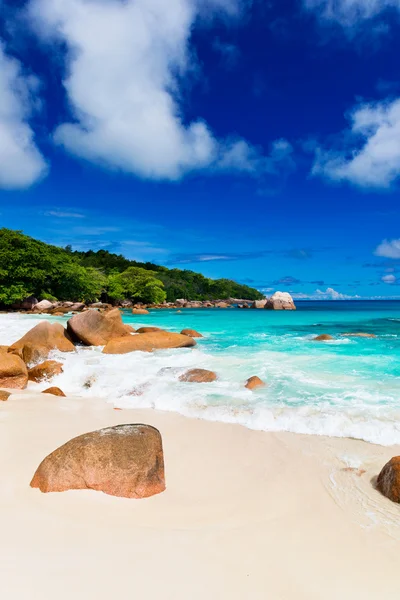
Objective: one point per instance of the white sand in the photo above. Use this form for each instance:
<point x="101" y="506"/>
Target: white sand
<point x="246" y="515"/>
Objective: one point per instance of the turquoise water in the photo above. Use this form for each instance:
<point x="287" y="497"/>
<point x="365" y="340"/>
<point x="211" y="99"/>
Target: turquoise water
<point x="346" y="387"/>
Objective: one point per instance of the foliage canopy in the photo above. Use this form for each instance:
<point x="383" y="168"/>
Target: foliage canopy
<point x="31" y="267"/>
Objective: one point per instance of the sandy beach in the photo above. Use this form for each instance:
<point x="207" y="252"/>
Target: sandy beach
<point x="246" y="514"/>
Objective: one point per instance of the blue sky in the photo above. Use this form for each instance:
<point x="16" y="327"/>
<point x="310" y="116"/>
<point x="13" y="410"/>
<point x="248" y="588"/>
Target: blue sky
<point x="257" y="140"/>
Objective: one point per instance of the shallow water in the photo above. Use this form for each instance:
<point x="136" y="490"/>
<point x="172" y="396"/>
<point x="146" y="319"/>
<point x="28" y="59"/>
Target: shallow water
<point x="347" y="387"/>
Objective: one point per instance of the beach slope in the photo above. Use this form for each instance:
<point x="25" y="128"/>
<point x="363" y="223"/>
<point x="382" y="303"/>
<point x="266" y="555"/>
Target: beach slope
<point x="245" y="514"/>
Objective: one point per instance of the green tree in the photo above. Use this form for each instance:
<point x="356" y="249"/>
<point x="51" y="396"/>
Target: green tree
<point x="29" y="267"/>
<point x="137" y="284"/>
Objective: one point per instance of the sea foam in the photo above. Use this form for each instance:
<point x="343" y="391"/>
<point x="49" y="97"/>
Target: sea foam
<point x="311" y="388"/>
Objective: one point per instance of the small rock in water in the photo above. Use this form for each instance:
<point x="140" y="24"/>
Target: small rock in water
<point x="125" y="461"/>
<point x="90" y="381"/>
<point x="388" y="482"/>
<point x="198" y="376"/>
<point x="324" y="337"/>
<point x="360" y="335"/>
<point x="191" y="333"/>
<point x="254" y="382"/>
<point x="46" y="370"/>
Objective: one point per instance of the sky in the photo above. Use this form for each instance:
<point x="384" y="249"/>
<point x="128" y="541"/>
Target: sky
<point x="257" y="140"/>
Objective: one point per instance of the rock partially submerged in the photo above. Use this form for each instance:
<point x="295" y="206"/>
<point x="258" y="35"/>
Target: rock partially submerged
<point x="198" y="376"/>
<point x="254" y="382"/>
<point x="45" y="371"/>
<point x="140" y="311"/>
<point x="191" y="333"/>
<point x="324" y="337"/>
<point x="125" y="461"/>
<point x="97" y="329"/>
<point x="359" y="334"/>
<point x="147" y="342"/>
<point x="280" y="301"/>
<point x="388" y="482"/>
<point x="257" y="304"/>
<point x="13" y="372"/>
<point x="39" y="341"/>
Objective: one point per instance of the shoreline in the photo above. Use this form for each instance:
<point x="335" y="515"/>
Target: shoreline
<point x="245" y="514"/>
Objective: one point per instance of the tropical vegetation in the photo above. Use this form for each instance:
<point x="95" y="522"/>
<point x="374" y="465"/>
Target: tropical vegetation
<point x="29" y="267"/>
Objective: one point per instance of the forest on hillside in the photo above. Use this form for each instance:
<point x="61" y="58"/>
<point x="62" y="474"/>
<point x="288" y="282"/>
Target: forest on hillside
<point x="29" y="267"/>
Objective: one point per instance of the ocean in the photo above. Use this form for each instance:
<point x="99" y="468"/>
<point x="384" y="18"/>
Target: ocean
<point x="348" y="387"/>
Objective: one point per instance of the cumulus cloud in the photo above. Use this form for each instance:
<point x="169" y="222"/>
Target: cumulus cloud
<point x="389" y="279"/>
<point x="125" y="66"/>
<point x="388" y="249"/>
<point x="350" y="13"/>
<point x="369" y="151"/>
<point x="21" y="163"/>
<point x="331" y="294"/>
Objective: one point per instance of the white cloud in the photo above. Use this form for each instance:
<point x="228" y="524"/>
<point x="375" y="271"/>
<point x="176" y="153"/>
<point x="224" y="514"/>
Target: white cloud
<point x="389" y="279"/>
<point x="63" y="215"/>
<point x="126" y="61"/>
<point x="350" y="13"/>
<point x="388" y="249"/>
<point x="328" y="294"/>
<point x="370" y="151"/>
<point x="331" y="294"/>
<point x="239" y="155"/>
<point x="21" y="163"/>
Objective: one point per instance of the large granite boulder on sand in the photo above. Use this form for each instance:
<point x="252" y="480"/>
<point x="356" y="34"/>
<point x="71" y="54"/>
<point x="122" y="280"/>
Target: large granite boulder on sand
<point x="147" y="342"/>
<point x="198" y="376"/>
<point x="125" y="460"/>
<point x="388" y="482"/>
<point x="45" y="371"/>
<point x="280" y="301"/>
<point x="13" y="372"/>
<point x="41" y="340"/>
<point x="191" y="333"/>
<point x="96" y="329"/>
<point x="4" y="396"/>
